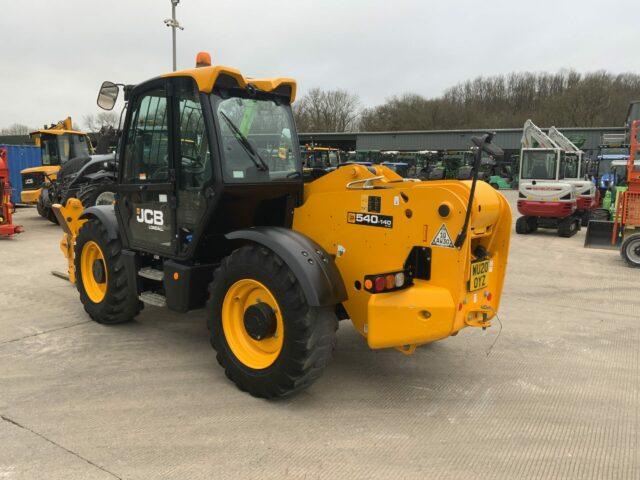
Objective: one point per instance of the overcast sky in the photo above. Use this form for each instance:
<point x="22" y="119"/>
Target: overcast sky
<point x="55" y="54"/>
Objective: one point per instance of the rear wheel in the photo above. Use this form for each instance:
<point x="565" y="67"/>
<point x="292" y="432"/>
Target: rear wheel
<point x="532" y="224"/>
<point x="101" y="278"/>
<point x="270" y="342"/>
<point x="630" y="250"/>
<point x="568" y="227"/>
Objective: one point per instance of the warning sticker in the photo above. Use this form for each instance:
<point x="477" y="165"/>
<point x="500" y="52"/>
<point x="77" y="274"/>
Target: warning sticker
<point x="442" y="238"/>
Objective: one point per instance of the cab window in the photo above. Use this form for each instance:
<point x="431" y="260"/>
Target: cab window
<point x="64" y="147"/>
<point x="195" y="165"/>
<point x="146" y="148"/>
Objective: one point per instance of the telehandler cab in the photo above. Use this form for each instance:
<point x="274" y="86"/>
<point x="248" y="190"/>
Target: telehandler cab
<point x="211" y="209"/>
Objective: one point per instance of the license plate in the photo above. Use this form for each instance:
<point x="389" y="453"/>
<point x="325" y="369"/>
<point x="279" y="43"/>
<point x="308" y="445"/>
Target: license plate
<point x="479" y="275"/>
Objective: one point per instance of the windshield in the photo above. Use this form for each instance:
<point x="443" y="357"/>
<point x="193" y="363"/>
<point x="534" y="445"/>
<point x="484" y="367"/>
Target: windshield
<point x="604" y="166"/>
<point x="539" y="164"/>
<point x="320" y="158"/>
<point x="569" y="166"/>
<point x="258" y="140"/>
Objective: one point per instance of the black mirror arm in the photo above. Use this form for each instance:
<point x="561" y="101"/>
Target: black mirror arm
<point x="482" y="143"/>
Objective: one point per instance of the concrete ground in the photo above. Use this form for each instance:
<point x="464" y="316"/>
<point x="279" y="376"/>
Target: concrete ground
<point x="557" y="397"/>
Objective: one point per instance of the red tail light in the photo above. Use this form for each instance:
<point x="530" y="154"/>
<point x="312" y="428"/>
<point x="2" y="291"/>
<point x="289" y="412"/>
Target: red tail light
<point x="387" y="282"/>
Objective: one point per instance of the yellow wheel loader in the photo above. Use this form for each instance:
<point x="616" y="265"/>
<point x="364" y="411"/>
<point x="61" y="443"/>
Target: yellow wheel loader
<point x="58" y="144"/>
<point x="211" y="211"/>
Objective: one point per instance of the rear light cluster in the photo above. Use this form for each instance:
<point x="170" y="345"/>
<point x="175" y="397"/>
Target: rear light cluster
<point x="387" y="282"/>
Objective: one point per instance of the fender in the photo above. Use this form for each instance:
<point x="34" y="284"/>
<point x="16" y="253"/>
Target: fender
<point x="106" y="214"/>
<point x="100" y="175"/>
<point x="314" y="268"/>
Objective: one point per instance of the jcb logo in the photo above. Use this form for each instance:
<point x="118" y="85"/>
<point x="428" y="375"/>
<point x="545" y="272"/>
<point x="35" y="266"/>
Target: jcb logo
<point x="150" y="217"/>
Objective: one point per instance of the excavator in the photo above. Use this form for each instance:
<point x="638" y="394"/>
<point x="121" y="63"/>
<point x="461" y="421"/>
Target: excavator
<point x="546" y="199"/>
<point x="587" y="195"/>
<point x="58" y="143"/>
<point x="212" y="211"/>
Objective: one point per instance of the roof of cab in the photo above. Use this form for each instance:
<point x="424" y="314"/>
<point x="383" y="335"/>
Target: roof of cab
<point x="54" y="131"/>
<point x="208" y="77"/>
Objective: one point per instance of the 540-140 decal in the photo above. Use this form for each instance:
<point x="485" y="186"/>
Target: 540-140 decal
<point x="371" y="219"/>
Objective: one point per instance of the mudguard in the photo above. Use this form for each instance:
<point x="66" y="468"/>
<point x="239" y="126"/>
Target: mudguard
<point x="314" y="268"/>
<point x="107" y="216"/>
<point x="100" y="175"/>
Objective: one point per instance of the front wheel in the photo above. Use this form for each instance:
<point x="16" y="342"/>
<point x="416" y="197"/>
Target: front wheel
<point x="270" y="342"/>
<point x="97" y="194"/>
<point x="101" y="277"/>
<point x="522" y="225"/>
<point x="630" y="250"/>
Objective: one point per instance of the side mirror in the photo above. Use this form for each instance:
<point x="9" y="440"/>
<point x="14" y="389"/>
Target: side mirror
<point x="108" y="95"/>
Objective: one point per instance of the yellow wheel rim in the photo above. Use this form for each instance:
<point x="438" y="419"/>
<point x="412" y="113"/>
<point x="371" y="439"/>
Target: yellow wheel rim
<point x="256" y="354"/>
<point x="91" y="264"/>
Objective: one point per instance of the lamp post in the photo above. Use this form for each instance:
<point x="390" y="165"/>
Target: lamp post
<point x="173" y="23"/>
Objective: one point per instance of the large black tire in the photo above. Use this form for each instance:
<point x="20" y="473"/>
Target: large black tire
<point x="522" y="225"/>
<point x="72" y="166"/>
<point x="532" y="224"/>
<point x="120" y="303"/>
<point x="630" y="250"/>
<point x="43" y="206"/>
<point x="90" y="194"/>
<point x="568" y="227"/>
<point x="308" y="332"/>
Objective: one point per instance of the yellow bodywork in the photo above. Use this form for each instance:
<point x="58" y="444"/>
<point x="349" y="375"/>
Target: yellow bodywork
<point x="430" y="309"/>
<point x="31" y="196"/>
<point x="69" y="219"/>
<point x="60" y="128"/>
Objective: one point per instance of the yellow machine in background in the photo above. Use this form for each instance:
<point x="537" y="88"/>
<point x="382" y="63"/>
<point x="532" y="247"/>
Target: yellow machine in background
<point x="58" y="143"/>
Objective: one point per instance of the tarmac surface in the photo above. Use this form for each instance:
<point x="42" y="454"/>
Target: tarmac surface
<point x="556" y="397"/>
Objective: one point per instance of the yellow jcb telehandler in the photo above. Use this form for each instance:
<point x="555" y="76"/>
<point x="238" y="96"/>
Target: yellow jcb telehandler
<point x="211" y="211"/>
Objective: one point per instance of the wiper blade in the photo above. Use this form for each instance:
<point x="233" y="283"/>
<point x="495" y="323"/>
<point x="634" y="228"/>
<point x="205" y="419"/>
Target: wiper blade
<point x="244" y="141"/>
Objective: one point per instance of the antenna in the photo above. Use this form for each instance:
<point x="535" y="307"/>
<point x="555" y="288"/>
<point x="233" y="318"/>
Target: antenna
<point x="173" y="23"/>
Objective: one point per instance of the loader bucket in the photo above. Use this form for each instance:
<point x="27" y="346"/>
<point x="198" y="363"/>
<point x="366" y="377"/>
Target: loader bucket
<point x="599" y="234"/>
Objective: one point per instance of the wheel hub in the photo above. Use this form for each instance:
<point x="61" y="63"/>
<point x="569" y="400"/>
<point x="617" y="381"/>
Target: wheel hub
<point x="98" y="271"/>
<point x="260" y="321"/>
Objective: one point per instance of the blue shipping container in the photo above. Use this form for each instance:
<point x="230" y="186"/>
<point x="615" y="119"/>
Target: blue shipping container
<point x="20" y="157"/>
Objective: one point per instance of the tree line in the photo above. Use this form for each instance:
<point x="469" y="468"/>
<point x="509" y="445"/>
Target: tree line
<point x="566" y="99"/>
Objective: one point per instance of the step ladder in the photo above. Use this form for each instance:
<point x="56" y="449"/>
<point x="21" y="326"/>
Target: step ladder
<point x="149" y="297"/>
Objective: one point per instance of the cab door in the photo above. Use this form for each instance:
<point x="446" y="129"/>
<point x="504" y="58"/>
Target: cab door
<point x="146" y="196"/>
<point x="193" y="165"/>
